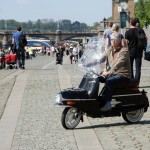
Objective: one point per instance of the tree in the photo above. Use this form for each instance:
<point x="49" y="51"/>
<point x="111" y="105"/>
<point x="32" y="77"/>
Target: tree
<point x="96" y="25"/>
<point x="2" y="22"/>
<point x="140" y="11"/>
<point x="45" y="25"/>
<point x="147" y="10"/>
<point x="38" y="24"/>
<point x="75" y="26"/>
<point x="66" y="25"/>
<point x="84" y="27"/>
<point x="29" y="25"/>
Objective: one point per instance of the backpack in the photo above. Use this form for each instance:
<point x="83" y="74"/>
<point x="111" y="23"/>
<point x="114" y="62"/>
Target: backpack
<point x="142" y="40"/>
<point x="22" y="40"/>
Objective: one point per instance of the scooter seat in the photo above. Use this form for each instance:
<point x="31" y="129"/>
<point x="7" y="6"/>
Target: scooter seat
<point x="131" y="84"/>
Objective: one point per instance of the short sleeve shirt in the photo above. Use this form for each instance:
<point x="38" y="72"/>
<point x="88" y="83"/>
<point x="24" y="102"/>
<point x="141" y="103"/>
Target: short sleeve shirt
<point x="15" y="37"/>
<point x="106" y="32"/>
<point x="131" y="36"/>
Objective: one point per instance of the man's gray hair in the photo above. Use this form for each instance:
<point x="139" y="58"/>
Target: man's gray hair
<point x="116" y="35"/>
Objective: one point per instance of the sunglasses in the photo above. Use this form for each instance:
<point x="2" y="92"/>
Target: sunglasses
<point x="114" y="40"/>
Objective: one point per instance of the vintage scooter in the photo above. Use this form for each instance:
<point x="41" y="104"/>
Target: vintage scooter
<point x="127" y="100"/>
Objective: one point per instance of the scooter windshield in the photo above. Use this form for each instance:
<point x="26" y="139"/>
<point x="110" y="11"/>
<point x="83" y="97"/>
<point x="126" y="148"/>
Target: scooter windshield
<point x="90" y="60"/>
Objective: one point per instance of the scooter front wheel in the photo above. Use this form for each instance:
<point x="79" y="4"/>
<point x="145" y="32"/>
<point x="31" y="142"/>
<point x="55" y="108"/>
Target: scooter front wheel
<point x="133" y="116"/>
<point x="70" y="118"/>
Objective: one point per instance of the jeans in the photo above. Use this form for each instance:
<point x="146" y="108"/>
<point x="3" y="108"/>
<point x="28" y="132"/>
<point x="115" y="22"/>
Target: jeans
<point x="20" y="51"/>
<point x="111" y="83"/>
<point x="138" y="64"/>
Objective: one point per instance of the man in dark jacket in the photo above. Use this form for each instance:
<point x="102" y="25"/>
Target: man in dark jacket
<point x="136" y="53"/>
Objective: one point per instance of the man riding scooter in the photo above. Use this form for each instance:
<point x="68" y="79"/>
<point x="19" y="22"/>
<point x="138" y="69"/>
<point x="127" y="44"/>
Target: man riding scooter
<point x="118" y="70"/>
<point x="119" y="96"/>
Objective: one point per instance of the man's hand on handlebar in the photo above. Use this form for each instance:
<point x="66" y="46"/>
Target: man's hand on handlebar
<point x="105" y="73"/>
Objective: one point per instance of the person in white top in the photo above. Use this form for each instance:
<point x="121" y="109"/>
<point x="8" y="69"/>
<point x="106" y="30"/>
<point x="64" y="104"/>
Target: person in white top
<point x="53" y="50"/>
<point x="74" y="54"/>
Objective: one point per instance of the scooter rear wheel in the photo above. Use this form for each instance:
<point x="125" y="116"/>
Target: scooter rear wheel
<point x="133" y="116"/>
<point x="70" y="118"/>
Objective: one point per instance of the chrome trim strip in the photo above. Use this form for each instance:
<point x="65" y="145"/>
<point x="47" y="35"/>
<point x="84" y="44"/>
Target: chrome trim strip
<point x="126" y="95"/>
<point x="63" y="99"/>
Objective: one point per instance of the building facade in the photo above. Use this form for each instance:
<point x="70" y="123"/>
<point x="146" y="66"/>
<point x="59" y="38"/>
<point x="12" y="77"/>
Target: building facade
<point x="123" y="15"/>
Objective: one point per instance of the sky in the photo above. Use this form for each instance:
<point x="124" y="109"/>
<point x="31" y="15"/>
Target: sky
<point x="84" y="11"/>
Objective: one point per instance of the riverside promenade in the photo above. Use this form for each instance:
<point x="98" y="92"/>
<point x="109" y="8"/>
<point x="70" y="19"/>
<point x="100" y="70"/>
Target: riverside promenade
<point x="30" y="121"/>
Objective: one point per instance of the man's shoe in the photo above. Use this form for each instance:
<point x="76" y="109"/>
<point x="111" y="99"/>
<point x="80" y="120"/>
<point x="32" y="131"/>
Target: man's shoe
<point x="106" y="107"/>
<point x="23" y="67"/>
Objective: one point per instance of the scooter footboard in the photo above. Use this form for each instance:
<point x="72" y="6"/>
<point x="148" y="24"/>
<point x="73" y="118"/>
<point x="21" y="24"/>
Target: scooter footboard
<point x="90" y="106"/>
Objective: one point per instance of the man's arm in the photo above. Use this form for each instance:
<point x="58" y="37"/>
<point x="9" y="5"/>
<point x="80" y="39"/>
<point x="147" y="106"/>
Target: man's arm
<point x="13" y="40"/>
<point x="126" y="38"/>
<point x="122" y="58"/>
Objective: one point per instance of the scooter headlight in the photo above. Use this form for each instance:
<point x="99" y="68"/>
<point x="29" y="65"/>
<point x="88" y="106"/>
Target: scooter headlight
<point x="58" y="100"/>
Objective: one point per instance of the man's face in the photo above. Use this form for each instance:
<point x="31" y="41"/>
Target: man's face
<point x="115" y="41"/>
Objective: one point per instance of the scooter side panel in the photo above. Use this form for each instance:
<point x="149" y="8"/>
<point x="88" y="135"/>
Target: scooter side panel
<point x="74" y="94"/>
<point x="89" y="107"/>
<point x="130" y="101"/>
<point x="92" y="109"/>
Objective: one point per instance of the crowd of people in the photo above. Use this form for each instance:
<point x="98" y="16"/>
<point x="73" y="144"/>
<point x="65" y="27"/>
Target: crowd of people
<point x="22" y="52"/>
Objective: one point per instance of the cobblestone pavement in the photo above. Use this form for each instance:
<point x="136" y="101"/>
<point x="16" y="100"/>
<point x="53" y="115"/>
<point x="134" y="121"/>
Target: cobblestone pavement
<point x="39" y="124"/>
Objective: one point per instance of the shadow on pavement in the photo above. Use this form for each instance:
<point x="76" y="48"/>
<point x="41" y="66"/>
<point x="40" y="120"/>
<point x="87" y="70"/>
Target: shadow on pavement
<point x="114" y="125"/>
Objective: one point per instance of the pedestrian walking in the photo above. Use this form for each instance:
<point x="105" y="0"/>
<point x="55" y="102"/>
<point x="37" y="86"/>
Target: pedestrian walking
<point x="19" y="41"/>
<point x="115" y="28"/>
<point x="106" y="33"/>
<point x="136" y="52"/>
<point x="108" y="30"/>
<point x="2" y="59"/>
<point x="74" y="54"/>
<point x="48" y="50"/>
<point x="53" y="50"/>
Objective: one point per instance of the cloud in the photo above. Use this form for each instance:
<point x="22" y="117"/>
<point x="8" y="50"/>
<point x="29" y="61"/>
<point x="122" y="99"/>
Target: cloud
<point x="23" y="1"/>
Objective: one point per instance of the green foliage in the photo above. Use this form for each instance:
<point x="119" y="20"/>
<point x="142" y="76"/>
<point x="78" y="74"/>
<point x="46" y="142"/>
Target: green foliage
<point x="96" y="25"/>
<point x="44" y="25"/>
<point x="142" y="11"/>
